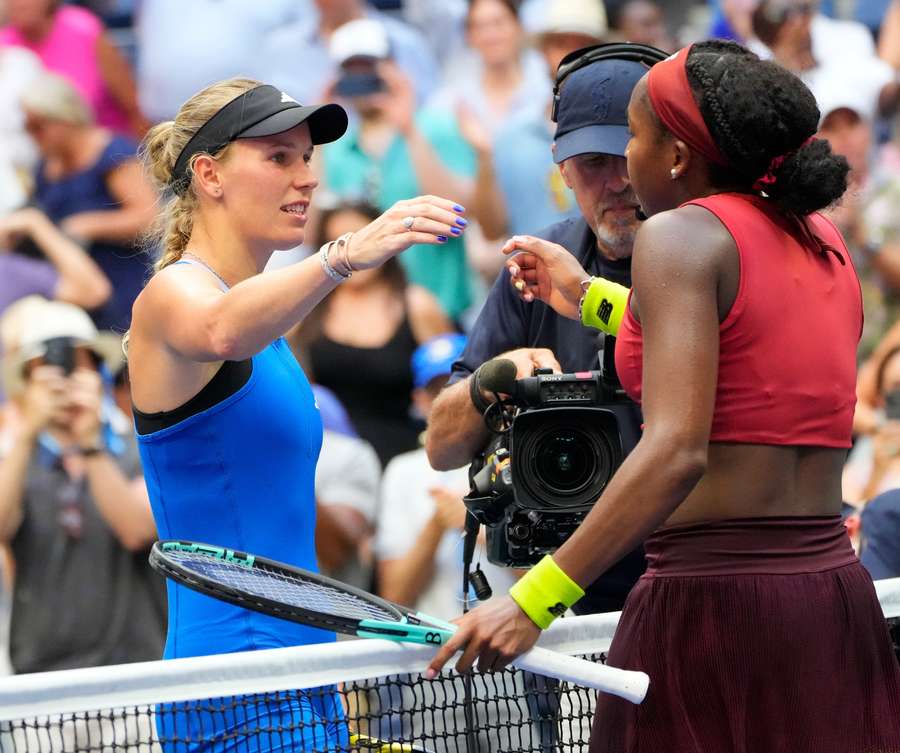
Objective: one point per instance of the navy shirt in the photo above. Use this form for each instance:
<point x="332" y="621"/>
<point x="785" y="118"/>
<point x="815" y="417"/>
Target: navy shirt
<point x="506" y="323"/>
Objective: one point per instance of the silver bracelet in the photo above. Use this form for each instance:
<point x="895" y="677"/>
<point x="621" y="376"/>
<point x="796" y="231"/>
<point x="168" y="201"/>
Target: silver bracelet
<point x="333" y="273"/>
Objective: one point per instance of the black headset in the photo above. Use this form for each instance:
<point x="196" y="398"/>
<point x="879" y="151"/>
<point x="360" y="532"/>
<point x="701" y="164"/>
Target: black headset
<point x="627" y="51"/>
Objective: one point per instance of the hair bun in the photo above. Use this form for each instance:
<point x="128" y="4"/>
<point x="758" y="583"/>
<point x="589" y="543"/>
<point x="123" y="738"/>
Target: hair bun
<point x="156" y="153"/>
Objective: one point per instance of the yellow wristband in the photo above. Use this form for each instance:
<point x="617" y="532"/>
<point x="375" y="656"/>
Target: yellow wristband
<point x="603" y="305"/>
<point x="545" y="592"/>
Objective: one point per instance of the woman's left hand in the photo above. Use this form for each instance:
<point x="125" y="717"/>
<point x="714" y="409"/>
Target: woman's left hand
<point x="545" y="271"/>
<point x="425" y="219"/>
<point x="494" y="634"/>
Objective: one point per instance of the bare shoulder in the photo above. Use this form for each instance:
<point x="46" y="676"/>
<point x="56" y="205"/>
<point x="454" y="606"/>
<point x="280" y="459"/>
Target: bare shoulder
<point x="684" y="239"/>
<point x="172" y="292"/>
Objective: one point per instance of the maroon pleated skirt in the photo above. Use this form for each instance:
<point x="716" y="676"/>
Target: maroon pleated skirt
<point x="760" y="635"/>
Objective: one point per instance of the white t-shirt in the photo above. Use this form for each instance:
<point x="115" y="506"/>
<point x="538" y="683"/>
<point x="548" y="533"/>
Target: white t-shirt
<point x="348" y="473"/>
<point x="406" y="507"/>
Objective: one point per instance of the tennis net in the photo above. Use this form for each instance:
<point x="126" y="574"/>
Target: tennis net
<point x="355" y="695"/>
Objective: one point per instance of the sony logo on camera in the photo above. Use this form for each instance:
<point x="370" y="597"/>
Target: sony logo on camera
<point x="556" y="443"/>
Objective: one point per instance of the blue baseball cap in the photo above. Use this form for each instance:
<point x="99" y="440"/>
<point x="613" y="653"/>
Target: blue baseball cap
<point x="435" y="358"/>
<point x="592" y="111"/>
<point x="880" y="523"/>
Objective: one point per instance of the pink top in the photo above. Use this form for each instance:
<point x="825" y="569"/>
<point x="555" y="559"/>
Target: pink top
<point x="70" y="49"/>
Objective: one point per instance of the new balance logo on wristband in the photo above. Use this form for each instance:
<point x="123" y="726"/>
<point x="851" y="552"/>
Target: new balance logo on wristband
<point x="604" y="311"/>
<point x="558" y="609"/>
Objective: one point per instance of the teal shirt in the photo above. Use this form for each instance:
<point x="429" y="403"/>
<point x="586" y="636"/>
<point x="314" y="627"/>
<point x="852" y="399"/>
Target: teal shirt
<point x="352" y="174"/>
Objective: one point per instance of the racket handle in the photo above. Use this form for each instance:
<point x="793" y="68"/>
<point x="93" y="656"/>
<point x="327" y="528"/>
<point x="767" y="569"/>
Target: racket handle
<point x="624" y="683"/>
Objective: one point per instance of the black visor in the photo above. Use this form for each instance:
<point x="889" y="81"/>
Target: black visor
<point x="263" y="111"/>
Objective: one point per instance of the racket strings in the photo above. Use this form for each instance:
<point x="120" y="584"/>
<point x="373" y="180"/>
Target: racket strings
<point x="263" y="582"/>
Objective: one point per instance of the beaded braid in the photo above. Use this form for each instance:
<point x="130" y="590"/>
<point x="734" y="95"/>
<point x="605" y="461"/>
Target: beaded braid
<point x="760" y="115"/>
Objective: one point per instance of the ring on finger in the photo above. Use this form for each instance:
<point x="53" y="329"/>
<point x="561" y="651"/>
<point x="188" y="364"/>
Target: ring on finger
<point x="408" y="222"/>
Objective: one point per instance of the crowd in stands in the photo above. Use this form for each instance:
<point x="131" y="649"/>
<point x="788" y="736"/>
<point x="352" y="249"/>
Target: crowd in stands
<point x="447" y="97"/>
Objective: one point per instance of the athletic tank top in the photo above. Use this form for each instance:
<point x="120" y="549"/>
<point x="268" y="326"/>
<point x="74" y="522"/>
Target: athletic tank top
<point x="787" y="349"/>
<point x="374" y="385"/>
<point x="239" y="474"/>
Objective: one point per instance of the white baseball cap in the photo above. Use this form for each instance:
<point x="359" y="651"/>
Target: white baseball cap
<point x="361" y="38"/>
<point x="31" y="322"/>
<point x="587" y="17"/>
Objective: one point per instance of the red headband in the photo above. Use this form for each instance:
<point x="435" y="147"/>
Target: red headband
<point x="673" y="100"/>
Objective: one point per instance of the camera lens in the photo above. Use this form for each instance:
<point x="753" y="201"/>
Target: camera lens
<point x="562" y="458"/>
<point x="564" y="462"/>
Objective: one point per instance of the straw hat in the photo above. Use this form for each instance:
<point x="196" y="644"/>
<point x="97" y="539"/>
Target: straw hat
<point x="30" y="322"/>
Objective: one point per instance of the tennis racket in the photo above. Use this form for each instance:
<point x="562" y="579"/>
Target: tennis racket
<point x="291" y="593"/>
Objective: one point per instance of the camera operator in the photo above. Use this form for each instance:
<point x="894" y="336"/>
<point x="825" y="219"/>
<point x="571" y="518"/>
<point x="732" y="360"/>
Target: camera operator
<point x="73" y="505"/>
<point x="589" y="147"/>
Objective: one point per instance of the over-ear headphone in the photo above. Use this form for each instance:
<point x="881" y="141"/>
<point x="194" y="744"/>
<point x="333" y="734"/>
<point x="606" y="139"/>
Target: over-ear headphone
<point x="627" y="51"/>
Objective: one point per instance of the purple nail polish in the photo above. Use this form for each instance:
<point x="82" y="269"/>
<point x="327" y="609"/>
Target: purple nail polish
<point x="455" y="230"/>
<point x="458" y="208"/>
<point x="461" y="222"/>
<point x="442" y="238"/>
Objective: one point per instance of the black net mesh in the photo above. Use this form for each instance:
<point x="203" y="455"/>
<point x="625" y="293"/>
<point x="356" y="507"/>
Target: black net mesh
<point x="508" y="710"/>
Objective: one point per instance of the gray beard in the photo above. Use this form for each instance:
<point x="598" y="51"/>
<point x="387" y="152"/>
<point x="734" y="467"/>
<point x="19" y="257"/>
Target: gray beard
<point x="615" y="240"/>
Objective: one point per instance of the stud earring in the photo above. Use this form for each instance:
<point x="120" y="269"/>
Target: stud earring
<point x="674" y="173"/>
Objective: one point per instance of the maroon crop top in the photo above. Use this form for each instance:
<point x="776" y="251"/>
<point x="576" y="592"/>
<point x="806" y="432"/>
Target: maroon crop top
<point x="787" y="349"/>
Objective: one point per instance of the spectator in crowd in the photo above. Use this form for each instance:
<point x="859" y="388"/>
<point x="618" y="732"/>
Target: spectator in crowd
<point x="367" y="367"/>
<point x="866" y="214"/>
<point x="73" y="505"/>
<point x="90" y="183"/>
<point x="347" y="477"/>
<point x="880" y="549"/>
<point x="418" y="543"/>
<point x="803" y="40"/>
<point x="495" y="81"/>
<point x="874" y="463"/>
<point x="518" y="187"/>
<point x="392" y="151"/>
<point x="298" y="60"/>
<point x="71" y="41"/>
<point x="442" y="22"/>
<point x="640" y="21"/>
<point x="19" y="68"/>
<point x="169" y="71"/>
<point x="63" y="270"/>
<point x="500" y="79"/>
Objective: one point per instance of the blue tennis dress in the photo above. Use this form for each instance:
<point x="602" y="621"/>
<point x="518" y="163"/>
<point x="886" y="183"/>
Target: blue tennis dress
<point x="240" y="475"/>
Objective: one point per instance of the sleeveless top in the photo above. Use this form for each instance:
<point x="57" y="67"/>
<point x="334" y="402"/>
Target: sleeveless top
<point x="239" y="474"/>
<point x="787" y="349"/>
<point x="374" y="385"/>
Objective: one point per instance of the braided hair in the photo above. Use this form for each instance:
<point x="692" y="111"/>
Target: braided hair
<point x="757" y="111"/>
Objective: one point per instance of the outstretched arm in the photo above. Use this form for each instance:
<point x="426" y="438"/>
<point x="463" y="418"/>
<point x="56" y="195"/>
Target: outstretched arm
<point x="672" y="272"/>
